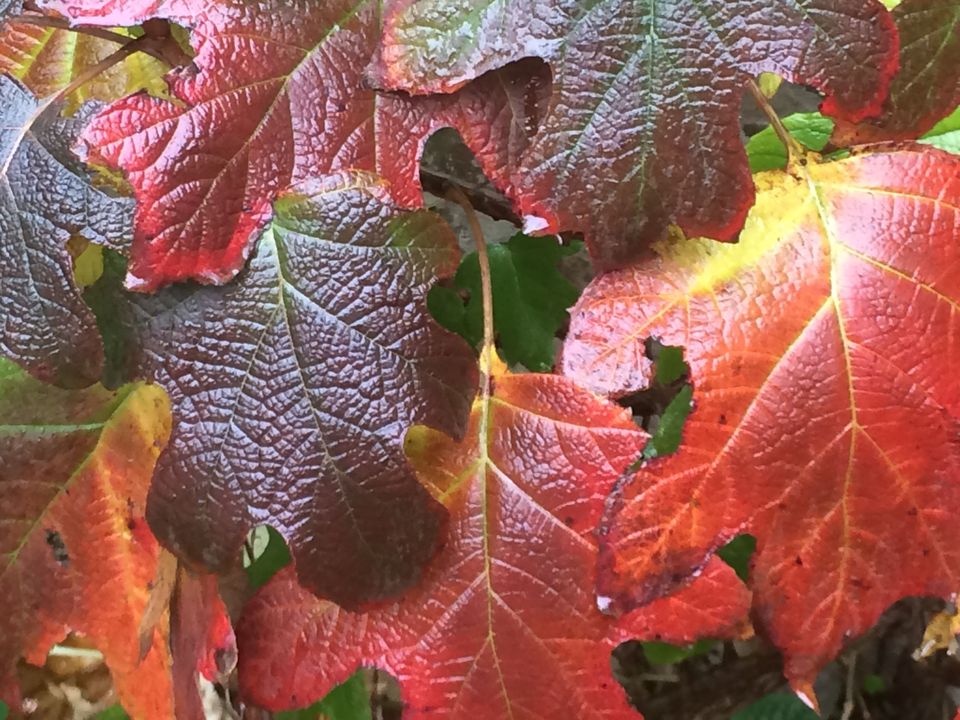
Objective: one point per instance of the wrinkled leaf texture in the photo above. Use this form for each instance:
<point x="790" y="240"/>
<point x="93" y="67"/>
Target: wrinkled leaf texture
<point x="45" y="199"/>
<point x="504" y="624"/>
<point x="276" y="95"/>
<point x="823" y="350"/>
<point x="294" y="386"/>
<point x="643" y="125"/>
<point x="9" y="7"/>
<point x="927" y="86"/>
<point x="76" y="554"/>
<point x="48" y="59"/>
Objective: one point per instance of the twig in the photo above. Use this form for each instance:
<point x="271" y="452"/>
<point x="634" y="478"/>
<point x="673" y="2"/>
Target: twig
<point x="97" y="32"/>
<point x="795" y="151"/>
<point x="458" y="196"/>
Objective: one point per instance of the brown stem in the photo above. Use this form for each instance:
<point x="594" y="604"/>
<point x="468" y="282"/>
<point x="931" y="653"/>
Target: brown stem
<point x="114" y="58"/>
<point x="795" y="151"/>
<point x="458" y="196"/>
<point x="101" y="33"/>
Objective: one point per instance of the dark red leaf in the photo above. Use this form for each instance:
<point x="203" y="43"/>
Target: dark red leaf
<point x="643" y="128"/>
<point x="293" y="387"/>
<point x="927" y="87"/>
<point x="45" y="199"/>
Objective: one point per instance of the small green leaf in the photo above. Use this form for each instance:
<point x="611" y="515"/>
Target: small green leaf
<point x="105" y="298"/>
<point x="777" y="706"/>
<point x="737" y="554"/>
<point x="348" y="701"/>
<point x="112" y="713"/>
<point x="766" y="152"/>
<point x="530" y="299"/>
<point x="666" y="438"/>
<point x="670" y="365"/>
<point x="661" y="653"/>
<point x="275" y="557"/>
<point x="945" y="134"/>
<point x="874" y="685"/>
<point x="4" y="711"/>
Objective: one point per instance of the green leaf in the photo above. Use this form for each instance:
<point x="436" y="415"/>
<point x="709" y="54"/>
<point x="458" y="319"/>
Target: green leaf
<point x="4" y="711"/>
<point x="777" y="706"/>
<point x="530" y="299"/>
<point x="670" y="364"/>
<point x="737" y="554"/>
<point x="105" y="299"/>
<point x="666" y="438"/>
<point x="874" y="685"/>
<point x="766" y="152"/>
<point x="661" y="653"/>
<point x="112" y="713"/>
<point x="348" y="701"/>
<point x="945" y="134"/>
<point x="275" y="557"/>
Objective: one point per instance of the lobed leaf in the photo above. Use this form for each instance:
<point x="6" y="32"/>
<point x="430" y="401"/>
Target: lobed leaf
<point x="45" y="199"/>
<point x="75" y="552"/>
<point x="927" y="87"/>
<point x="826" y="414"/>
<point x="276" y="96"/>
<point x="293" y="388"/>
<point x="46" y="60"/>
<point x="504" y="624"/>
<point x="643" y="125"/>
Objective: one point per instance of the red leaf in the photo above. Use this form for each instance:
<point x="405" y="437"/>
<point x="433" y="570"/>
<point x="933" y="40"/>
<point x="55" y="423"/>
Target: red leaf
<point x="201" y="640"/>
<point x="504" y="624"/>
<point x="292" y="389"/>
<point x="826" y="417"/>
<point x="276" y="97"/>
<point x="927" y="87"/>
<point x="643" y="128"/>
<point x="75" y="552"/>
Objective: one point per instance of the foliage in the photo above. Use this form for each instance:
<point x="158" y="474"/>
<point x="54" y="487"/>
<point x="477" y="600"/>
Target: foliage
<point x="228" y="247"/>
<point x="778" y="706"/>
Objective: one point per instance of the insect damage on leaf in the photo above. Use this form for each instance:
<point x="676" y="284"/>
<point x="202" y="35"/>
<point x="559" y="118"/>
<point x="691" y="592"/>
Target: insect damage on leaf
<point x="74" y="470"/>
<point x="293" y="387"/>
<point x="45" y="199"/>
<point x="826" y="414"/>
<point x="505" y="623"/>
<point x="277" y="96"/>
<point x="643" y="127"/>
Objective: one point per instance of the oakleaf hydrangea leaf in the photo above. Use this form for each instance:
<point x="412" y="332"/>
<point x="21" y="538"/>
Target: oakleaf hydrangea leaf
<point x="76" y="554"/>
<point x="822" y="350"/>
<point x="505" y="622"/>
<point x="293" y="388"/>
<point x="45" y="199"/>
<point x="643" y="127"/>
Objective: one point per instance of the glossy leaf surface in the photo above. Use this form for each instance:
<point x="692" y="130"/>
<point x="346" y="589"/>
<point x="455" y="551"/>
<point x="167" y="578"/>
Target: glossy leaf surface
<point x="825" y="420"/>
<point x="945" y="134"/>
<point x="927" y="86"/>
<point x="45" y="199"/>
<point x="277" y="96"/>
<point x="47" y="60"/>
<point x="643" y="128"/>
<point x="293" y="387"/>
<point x="504" y="624"/>
<point x="75" y="552"/>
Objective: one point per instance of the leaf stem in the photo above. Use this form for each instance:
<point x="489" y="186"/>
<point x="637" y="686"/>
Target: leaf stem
<point x="133" y="46"/>
<point x="101" y="33"/>
<point x="486" y="286"/>
<point x="795" y="151"/>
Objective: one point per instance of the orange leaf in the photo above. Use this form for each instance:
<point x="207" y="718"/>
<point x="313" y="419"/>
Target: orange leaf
<point x="823" y="349"/>
<point x="505" y="623"/>
<point x="75" y="552"/>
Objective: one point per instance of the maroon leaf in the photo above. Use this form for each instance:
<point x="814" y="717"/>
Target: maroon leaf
<point x="294" y="386"/>
<point x="643" y="128"/>
<point x="45" y="199"/>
